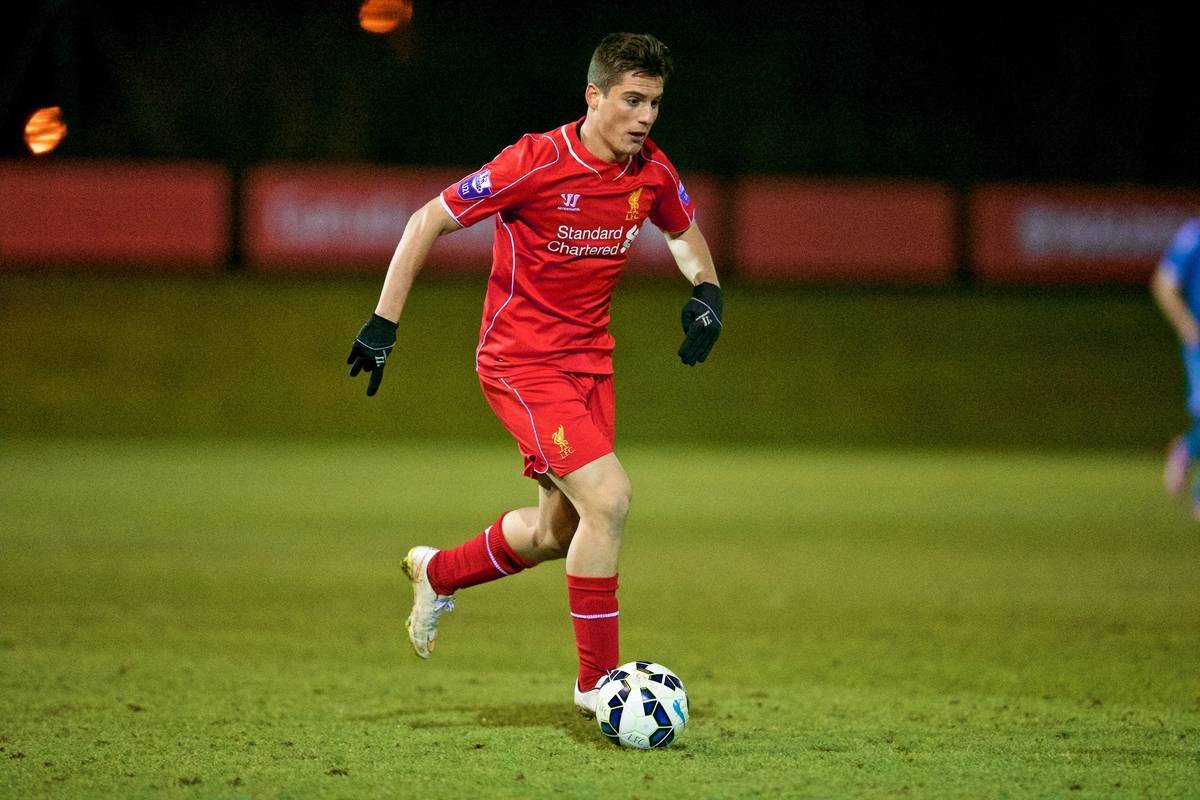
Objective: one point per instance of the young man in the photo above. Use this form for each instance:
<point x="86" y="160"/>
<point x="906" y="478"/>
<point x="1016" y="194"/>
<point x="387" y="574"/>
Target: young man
<point x="568" y="204"/>
<point x="1176" y="289"/>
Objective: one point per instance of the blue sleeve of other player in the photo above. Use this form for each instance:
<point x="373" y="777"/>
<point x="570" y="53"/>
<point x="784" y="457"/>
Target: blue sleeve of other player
<point x="1181" y="258"/>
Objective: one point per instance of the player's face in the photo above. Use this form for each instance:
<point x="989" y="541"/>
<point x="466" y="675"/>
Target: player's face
<point x="623" y="117"/>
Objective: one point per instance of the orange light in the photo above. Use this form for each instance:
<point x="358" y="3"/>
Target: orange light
<point x="384" y="16"/>
<point x="44" y="130"/>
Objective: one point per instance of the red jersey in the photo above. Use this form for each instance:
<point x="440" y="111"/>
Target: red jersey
<point x="564" y="223"/>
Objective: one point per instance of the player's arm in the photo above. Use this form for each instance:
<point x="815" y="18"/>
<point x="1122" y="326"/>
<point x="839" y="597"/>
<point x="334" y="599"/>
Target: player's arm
<point x="703" y="316"/>
<point x="1165" y="290"/>
<point x="423" y="228"/>
<point x="691" y="253"/>
<point x="377" y="337"/>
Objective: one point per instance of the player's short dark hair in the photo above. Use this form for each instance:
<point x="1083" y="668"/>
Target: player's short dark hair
<point x="619" y="53"/>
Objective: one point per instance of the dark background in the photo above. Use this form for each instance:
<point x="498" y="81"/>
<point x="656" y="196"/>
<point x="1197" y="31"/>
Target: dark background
<point x="844" y="90"/>
<point x="963" y="95"/>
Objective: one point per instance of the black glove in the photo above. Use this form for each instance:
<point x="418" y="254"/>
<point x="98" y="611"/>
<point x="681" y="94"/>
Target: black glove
<point x="701" y="323"/>
<point x="371" y="348"/>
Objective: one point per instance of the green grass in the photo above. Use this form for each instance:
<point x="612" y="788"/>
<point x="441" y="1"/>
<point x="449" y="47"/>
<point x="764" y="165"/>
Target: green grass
<point x="238" y="355"/>
<point x="215" y="618"/>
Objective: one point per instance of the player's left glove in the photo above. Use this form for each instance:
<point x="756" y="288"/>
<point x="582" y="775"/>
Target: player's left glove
<point x="701" y="323"/>
<point x="371" y="348"/>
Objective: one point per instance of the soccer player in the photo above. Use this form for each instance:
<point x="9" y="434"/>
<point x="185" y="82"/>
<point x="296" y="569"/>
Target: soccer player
<point x="1176" y="289"/>
<point x="567" y="204"/>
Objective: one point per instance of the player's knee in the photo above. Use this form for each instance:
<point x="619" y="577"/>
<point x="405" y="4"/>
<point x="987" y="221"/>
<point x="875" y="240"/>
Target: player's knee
<point x="621" y="501"/>
<point x="551" y="540"/>
<point x="612" y="501"/>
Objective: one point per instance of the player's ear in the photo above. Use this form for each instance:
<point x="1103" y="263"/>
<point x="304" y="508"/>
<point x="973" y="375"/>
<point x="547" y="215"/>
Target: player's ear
<point x="591" y="96"/>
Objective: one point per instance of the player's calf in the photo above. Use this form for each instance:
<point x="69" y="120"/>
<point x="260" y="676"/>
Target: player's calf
<point x="539" y="534"/>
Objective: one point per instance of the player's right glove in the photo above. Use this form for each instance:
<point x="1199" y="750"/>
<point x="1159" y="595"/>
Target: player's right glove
<point x="371" y="348"/>
<point x="701" y="323"/>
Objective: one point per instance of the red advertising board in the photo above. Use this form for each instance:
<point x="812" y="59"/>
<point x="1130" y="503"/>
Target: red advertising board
<point x="791" y="229"/>
<point x="1059" y="234"/>
<point x="350" y="218"/>
<point x="142" y="215"/>
<point x="335" y="218"/>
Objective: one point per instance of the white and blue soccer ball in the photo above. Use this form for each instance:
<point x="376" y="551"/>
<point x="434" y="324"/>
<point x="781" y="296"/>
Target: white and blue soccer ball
<point x="641" y="704"/>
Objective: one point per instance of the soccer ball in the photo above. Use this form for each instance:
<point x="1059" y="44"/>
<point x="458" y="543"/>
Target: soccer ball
<point x="641" y="704"/>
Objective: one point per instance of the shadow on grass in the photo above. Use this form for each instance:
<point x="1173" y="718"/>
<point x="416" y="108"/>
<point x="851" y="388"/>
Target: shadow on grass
<point x="514" y="715"/>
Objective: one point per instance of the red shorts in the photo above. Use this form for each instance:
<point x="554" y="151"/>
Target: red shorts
<point x="561" y="420"/>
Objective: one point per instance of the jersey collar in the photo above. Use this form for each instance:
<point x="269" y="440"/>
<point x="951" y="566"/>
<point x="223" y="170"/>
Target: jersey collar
<point x="603" y="169"/>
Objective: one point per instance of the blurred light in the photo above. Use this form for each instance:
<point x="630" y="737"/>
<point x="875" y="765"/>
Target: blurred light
<point x="44" y="130"/>
<point x="384" y="16"/>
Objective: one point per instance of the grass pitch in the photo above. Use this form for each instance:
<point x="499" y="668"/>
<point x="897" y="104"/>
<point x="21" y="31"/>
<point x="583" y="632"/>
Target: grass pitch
<point x="207" y="618"/>
<point x="246" y="355"/>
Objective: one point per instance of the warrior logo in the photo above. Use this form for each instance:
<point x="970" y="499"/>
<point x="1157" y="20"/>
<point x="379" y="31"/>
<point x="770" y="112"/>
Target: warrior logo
<point x="634" y="212"/>
<point x="560" y="438"/>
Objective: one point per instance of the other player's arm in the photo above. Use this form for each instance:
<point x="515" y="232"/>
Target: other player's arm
<point x="1165" y="289"/>
<point x="377" y="337"/>
<point x="703" y="316"/>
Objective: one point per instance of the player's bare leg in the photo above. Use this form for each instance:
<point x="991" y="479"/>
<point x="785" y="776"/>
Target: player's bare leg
<point x="600" y="493"/>
<point x="543" y="533"/>
<point x="516" y="541"/>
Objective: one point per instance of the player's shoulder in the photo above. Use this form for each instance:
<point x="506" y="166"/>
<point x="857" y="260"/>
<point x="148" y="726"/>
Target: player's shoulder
<point x="655" y="162"/>
<point x="653" y="158"/>
<point x="544" y="142"/>
<point x="532" y="149"/>
<point x="651" y="148"/>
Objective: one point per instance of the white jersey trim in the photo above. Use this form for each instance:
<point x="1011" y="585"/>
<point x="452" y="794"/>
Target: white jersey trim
<point x="532" y="426"/>
<point x="512" y="289"/>
<point x="571" y="150"/>
<point x="596" y="616"/>
<point x="563" y="132"/>
<point x="625" y="169"/>
<point x="557" y="156"/>
<point x="690" y="217"/>
<point x="446" y="206"/>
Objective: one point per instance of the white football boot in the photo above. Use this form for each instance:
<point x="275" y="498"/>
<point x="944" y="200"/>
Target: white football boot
<point x="586" y="701"/>
<point x="428" y="605"/>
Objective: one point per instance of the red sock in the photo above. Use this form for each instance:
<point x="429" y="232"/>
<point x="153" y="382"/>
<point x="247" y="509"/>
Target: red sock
<point x="593" y="603"/>
<point x="485" y="558"/>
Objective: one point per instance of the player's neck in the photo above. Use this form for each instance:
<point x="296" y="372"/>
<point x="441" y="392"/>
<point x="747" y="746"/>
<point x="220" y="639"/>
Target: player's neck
<point x="595" y="145"/>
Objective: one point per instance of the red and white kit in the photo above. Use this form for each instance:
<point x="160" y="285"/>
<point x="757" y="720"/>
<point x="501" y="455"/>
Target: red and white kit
<point x="565" y="221"/>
